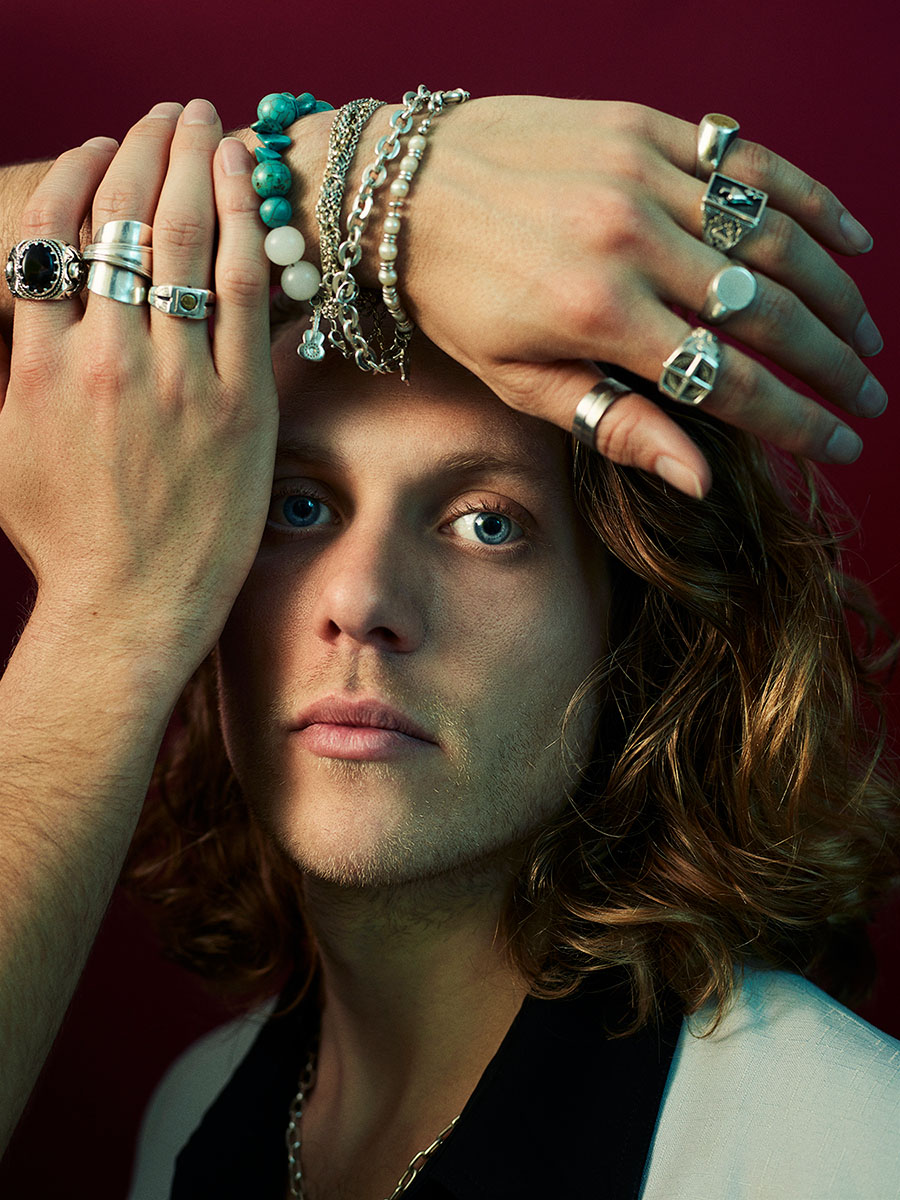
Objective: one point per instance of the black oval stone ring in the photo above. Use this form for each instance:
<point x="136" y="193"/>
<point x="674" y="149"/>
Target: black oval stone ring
<point x="45" y="269"/>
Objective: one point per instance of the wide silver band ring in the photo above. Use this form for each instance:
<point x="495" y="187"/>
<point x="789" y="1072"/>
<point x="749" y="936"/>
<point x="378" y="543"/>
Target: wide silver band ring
<point x="117" y="283"/>
<point x="128" y="233"/>
<point x="730" y="210"/>
<point x="118" y="256"/>
<point x="591" y="407"/>
<point x="689" y="373"/>
<point x="194" y="303"/>
<point x="45" y="269"/>
<point x="731" y="290"/>
<point x="715" y="133"/>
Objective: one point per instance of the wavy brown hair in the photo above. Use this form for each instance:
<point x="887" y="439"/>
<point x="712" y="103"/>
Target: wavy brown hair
<point x="739" y="807"/>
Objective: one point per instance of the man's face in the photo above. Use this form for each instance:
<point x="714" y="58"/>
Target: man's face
<point x="423" y="551"/>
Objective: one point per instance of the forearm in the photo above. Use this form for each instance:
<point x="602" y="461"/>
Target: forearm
<point x="80" y="727"/>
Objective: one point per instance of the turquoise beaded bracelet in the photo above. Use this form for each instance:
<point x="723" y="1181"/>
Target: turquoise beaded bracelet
<point x="271" y="181"/>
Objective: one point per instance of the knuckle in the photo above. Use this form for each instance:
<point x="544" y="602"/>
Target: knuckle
<point x="781" y="233"/>
<point x="630" y="118"/>
<point x="620" y="435"/>
<point x="775" y="307"/>
<point x="107" y="367"/>
<point x="742" y="386"/>
<point x="115" y="202"/>
<point x="183" y="231"/>
<point x="41" y="215"/>
<point x="847" y="372"/>
<point x="623" y="224"/>
<point x="585" y="306"/>
<point x="632" y="159"/>
<point x="758" y="163"/>
<point x="243" y="282"/>
<point x="816" y="201"/>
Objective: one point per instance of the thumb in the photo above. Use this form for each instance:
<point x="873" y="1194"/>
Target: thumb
<point x="633" y="431"/>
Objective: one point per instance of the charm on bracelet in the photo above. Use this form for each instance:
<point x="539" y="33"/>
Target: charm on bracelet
<point x="731" y="210"/>
<point x="45" y="269"/>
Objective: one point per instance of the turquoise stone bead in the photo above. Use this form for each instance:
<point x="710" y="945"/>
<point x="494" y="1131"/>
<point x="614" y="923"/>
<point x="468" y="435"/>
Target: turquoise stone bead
<point x="264" y="154"/>
<point x="323" y="106"/>
<point x="275" y="141"/>
<point x="306" y="103"/>
<point x="275" y="211"/>
<point x="271" y="178"/>
<point x="278" y="107"/>
<point x="261" y="127"/>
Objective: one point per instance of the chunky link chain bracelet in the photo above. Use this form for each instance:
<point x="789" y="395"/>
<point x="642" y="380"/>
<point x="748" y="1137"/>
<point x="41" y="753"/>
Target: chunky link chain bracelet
<point x="345" y="290"/>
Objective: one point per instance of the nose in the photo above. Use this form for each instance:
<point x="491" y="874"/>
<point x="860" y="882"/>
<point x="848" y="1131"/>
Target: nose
<point x="370" y="591"/>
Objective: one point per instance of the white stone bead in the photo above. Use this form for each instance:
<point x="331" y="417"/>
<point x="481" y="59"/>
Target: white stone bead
<point x="387" y="252"/>
<point x="409" y="163"/>
<point x="417" y="142"/>
<point x="284" y="245"/>
<point x="301" y="280"/>
<point x="400" y="187"/>
<point x="391" y="224"/>
<point x="387" y="277"/>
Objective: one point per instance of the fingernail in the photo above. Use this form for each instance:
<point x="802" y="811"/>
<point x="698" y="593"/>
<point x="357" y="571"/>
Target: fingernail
<point x="871" y="400"/>
<point x="236" y="159"/>
<point x="843" y="446"/>
<point x="101" y="143"/>
<point x="680" y="476"/>
<point x="857" y="235"/>
<point x="867" y="339"/>
<point x="199" y="112"/>
<point x="168" y="110"/>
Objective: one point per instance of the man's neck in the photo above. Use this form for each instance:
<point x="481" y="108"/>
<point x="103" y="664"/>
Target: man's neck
<point x="418" y="996"/>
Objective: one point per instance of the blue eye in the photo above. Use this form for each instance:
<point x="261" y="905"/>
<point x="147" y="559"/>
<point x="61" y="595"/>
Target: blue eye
<point x="301" y="511"/>
<point x="489" y="528"/>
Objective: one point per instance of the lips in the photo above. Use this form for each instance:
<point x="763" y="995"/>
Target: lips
<point x="361" y="713"/>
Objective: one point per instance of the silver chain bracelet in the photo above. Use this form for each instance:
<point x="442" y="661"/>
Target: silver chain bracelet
<point x="343" y="285"/>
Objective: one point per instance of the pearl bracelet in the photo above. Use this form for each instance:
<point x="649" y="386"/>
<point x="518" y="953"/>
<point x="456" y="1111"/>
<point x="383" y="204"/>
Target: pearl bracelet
<point x="271" y="179"/>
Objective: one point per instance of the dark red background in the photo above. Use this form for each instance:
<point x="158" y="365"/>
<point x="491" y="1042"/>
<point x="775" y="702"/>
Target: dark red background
<point x="813" y="80"/>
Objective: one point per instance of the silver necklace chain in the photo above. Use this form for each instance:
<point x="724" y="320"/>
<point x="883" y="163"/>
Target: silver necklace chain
<point x="293" y="1139"/>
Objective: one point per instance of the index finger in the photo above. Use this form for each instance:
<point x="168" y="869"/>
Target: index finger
<point x="789" y="189"/>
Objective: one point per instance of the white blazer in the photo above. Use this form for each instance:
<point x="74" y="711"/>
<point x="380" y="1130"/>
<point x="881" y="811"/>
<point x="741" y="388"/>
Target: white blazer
<point x="793" y="1097"/>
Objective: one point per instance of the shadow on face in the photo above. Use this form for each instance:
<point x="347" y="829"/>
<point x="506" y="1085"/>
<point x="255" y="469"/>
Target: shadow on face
<point x="424" y="551"/>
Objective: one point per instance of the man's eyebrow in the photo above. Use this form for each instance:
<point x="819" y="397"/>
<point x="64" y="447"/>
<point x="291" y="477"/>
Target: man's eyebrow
<point x="461" y="462"/>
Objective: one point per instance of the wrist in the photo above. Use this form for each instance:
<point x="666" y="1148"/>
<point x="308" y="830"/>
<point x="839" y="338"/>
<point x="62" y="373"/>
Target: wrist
<point x="306" y="157"/>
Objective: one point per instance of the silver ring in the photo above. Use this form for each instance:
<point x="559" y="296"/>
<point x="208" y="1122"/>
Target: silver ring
<point x="715" y="133"/>
<point x="110" y="254"/>
<point x="129" y="233"/>
<point x="593" y="405"/>
<point x="193" y="303"/>
<point x="729" y="291"/>
<point x="731" y="210"/>
<point x="45" y="269"/>
<point x="124" y="284"/>
<point x="689" y="373"/>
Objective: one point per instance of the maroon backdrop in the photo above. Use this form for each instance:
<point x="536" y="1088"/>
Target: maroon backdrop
<point x="811" y="79"/>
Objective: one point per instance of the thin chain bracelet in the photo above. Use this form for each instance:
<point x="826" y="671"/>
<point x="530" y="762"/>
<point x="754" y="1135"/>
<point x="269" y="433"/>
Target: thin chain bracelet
<point x="344" y="286"/>
<point x="293" y="1140"/>
<point x="387" y="251"/>
<point x="342" y="143"/>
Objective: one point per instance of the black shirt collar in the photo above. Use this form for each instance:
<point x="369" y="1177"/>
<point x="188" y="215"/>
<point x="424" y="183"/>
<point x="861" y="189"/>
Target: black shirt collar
<point x="562" y="1109"/>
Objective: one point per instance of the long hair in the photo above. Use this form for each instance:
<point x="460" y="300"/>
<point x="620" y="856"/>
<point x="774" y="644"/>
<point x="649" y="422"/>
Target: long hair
<point x="739" y="806"/>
